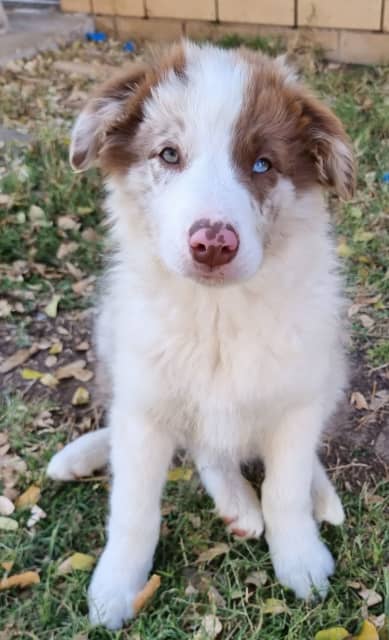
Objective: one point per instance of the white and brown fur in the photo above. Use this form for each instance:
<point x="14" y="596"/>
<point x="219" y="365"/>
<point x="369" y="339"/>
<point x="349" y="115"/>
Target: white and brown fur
<point x="241" y="361"/>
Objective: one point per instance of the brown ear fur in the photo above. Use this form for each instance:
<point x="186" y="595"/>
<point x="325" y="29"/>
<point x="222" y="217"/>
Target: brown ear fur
<point x="107" y="123"/>
<point x="329" y="147"/>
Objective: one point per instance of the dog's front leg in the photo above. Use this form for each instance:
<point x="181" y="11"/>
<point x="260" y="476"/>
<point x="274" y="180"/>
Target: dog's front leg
<point x="301" y="561"/>
<point x="140" y="457"/>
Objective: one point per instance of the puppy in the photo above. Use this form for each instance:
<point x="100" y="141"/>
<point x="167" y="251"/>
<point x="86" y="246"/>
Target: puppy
<point x="221" y="322"/>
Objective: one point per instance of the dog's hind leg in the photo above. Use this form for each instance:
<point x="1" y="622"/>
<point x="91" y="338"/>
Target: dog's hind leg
<point x="81" y="457"/>
<point x="235" y="499"/>
<point x="326" y="502"/>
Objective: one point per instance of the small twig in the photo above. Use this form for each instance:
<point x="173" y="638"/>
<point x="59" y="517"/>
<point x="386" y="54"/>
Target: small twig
<point x="382" y="366"/>
<point x="346" y="466"/>
<point x="93" y="479"/>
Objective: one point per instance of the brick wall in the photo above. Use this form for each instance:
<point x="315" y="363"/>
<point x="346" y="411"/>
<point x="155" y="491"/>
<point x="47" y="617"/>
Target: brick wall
<point x="347" y="30"/>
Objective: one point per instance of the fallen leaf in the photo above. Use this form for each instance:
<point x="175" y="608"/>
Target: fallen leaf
<point x="81" y="396"/>
<point x="180" y="473"/>
<point x="17" y="358"/>
<point x="7" y="565"/>
<point x="257" y="578"/>
<point x="367" y="632"/>
<point x="21" y="580"/>
<point x="89" y="234"/>
<point x="147" y="593"/>
<point x="65" y="249"/>
<point x="67" y="223"/>
<point x="5" y="199"/>
<point x="213" y="552"/>
<point x="344" y="250"/>
<point x="70" y="370"/>
<point x="77" y="562"/>
<point x="31" y="374"/>
<point x="370" y="597"/>
<point x="275" y="606"/>
<point x="83" y="286"/>
<point x="358" y="400"/>
<point x="48" y="380"/>
<point x="215" y="597"/>
<point x="36" y="514"/>
<point x="363" y="236"/>
<point x="8" y="524"/>
<point x="11" y="467"/>
<point x="210" y="628"/>
<point x="28" y="497"/>
<point x="51" y="361"/>
<point x="334" y="633"/>
<point x="82" y="562"/>
<point x="56" y="348"/>
<point x="74" y="271"/>
<point x="83" y="346"/>
<point x="354" y="584"/>
<point x="6" y="506"/>
<point x="5" y="308"/>
<point x="366" y="321"/>
<point x="52" y="308"/>
<point x="37" y="216"/>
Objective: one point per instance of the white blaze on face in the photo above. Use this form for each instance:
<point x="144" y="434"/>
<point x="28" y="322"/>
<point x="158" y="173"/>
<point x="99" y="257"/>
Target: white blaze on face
<point x="196" y="112"/>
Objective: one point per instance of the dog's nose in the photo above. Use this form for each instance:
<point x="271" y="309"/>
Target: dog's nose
<point x="213" y="244"/>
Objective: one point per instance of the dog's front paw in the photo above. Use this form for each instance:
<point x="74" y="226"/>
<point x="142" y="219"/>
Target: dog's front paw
<point x="303" y="565"/>
<point x="110" y="596"/>
<point x="248" y="524"/>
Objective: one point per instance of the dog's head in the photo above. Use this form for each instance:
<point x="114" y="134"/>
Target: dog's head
<point x="212" y="146"/>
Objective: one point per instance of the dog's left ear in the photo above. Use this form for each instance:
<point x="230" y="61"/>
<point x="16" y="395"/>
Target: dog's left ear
<point x="329" y="147"/>
<point x="114" y="101"/>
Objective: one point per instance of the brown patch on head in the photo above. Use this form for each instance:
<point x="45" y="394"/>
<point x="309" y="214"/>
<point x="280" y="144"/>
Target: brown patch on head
<point x="303" y="140"/>
<point x="107" y="125"/>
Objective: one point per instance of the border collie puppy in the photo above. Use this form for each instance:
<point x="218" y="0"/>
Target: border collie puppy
<point x="220" y="328"/>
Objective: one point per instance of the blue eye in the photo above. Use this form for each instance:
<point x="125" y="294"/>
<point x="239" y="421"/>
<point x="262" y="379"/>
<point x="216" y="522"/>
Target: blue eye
<point x="262" y="165"/>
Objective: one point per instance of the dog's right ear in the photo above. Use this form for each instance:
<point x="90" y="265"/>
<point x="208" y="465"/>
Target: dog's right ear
<point x="117" y="99"/>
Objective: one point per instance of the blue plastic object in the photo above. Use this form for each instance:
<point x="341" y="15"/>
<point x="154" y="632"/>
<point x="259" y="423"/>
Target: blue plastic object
<point x="385" y="177"/>
<point x="96" y="36"/>
<point x="129" y="46"/>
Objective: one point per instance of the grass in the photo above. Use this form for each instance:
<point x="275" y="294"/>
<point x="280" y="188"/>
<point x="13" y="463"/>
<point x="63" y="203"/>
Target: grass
<point x="56" y="608"/>
<point x="38" y="175"/>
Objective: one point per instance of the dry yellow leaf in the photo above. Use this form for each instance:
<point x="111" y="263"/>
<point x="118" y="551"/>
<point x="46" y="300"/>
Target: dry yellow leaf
<point x="334" y="633"/>
<point x="29" y="497"/>
<point x="31" y="374"/>
<point x="48" y="380"/>
<point x="274" y="606"/>
<point x="82" y="562"/>
<point x="52" y="308"/>
<point x="180" y="473"/>
<point x="55" y="348"/>
<point x="80" y="396"/>
<point x="147" y="593"/>
<point x="20" y="580"/>
<point x="213" y="552"/>
<point x="7" y="566"/>
<point x="344" y="250"/>
<point x="8" y="524"/>
<point x="367" y="632"/>
<point x="77" y="562"/>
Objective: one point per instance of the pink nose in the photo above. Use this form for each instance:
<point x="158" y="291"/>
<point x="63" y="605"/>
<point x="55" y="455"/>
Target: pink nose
<point x="213" y="244"/>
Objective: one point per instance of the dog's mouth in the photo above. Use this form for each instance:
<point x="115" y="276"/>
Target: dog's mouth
<point x="211" y="277"/>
